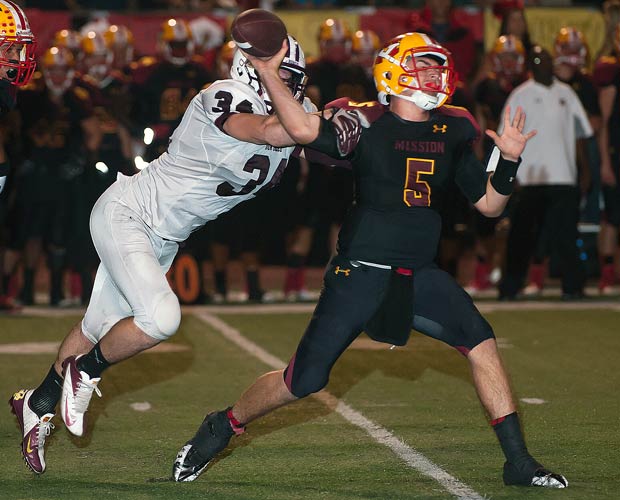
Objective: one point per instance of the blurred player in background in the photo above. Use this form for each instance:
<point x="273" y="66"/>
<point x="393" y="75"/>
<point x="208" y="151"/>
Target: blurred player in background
<point x="165" y="86"/>
<point x="607" y="79"/>
<point x="326" y="193"/>
<point x="58" y="127"/>
<point x="17" y="64"/>
<point x="507" y="63"/>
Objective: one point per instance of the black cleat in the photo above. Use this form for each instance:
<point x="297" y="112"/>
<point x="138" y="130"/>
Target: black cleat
<point x="212" y="437"/>
<point x="539" y="476"/>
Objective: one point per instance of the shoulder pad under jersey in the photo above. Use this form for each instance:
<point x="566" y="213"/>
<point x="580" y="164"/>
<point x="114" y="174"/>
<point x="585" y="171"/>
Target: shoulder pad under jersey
<point x="605" y="71"/>
<point x="459" y="112"/>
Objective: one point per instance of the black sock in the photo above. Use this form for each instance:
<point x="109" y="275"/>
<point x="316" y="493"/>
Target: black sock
<point x="45" y="397"/>
<point x="93" y="363"/>
<point x="220" y="282"/>
<point x="28" y="290"/>
<point x="508" y="431"/>
<point x="6" y="280"/>
<point x="252" y="281"/>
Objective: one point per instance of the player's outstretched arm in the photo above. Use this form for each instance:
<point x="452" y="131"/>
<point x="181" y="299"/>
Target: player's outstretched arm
<point x="511" y="144"/>
<point x="303" y="127"/>
<point x="258" y="129"/>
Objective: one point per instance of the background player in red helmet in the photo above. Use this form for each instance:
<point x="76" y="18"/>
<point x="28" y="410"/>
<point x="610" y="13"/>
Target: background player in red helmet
<point x="17" y="64"/>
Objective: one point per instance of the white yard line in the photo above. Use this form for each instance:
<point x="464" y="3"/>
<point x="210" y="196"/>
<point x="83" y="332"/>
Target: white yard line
<point x="381" y="435"/>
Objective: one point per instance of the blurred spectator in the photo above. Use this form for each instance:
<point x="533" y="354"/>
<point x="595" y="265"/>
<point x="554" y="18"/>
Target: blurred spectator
<point x="514" y="23"/>
<point x="327" y="193"/>
<point x="439" y="20"/>
<point x="547" y="177"/>
<point x="607" y="78"/>
<point x="58" y="128"/>
<point x="611" y="13"/>
<point x="507" y="63"/>
<point x="570" y="56"/>
<point x="68" y="39"/>
<point x="165" y="85"/>
<point x="120" y="40"/>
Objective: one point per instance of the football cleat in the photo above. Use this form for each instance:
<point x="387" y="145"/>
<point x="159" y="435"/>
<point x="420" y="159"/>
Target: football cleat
<point x="34" y="430"/>
<point x="77" y="390"/>
<point x="212" y="437"/>
<point x="540" y="477"/>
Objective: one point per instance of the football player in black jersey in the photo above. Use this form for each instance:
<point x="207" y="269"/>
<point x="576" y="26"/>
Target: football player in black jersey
<point x="383" y="280"/>
<point x="17" y="63"/>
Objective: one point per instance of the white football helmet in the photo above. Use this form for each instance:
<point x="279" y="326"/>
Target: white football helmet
<point x="294" y="61"/>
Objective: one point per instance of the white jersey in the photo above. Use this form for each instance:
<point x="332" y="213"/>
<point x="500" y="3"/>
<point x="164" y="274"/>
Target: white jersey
<point x="205" y="172"/>
<point x="559" y="118"/>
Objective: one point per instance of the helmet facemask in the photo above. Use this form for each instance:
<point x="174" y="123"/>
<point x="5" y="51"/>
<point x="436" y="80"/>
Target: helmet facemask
<point x="18" y="58"/>
<point x="570" y="48"/>
<point x="17" y="45"/>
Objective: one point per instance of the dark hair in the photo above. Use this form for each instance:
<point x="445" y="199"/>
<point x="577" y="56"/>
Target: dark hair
<point x="503" y="29"/>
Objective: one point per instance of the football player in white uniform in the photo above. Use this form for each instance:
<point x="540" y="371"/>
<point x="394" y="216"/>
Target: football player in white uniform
<point x="226" y="149"/>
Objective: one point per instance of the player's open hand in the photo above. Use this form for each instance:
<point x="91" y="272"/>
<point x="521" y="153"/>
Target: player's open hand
<point x="512" y="141"/>
<point x="271" y="64"/>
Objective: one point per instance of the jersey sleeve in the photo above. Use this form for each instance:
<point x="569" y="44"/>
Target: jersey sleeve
<point x="605" y="71"/>
<point x="590" y="98"/>
<point x="225" y="98"/>
<point x="327" y="140"/>
<point x="470" y="175"/>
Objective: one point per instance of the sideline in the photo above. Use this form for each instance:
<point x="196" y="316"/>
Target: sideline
<point x="381" y="435"/>
<point x="483" y="305"/>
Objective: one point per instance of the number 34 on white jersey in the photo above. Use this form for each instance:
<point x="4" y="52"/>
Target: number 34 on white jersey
<point x="206" y="172"/>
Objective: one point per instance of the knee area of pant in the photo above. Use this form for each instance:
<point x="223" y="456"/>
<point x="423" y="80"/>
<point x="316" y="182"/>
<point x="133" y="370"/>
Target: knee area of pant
<point x="478" y="333"/>
<point x="307" y="385"/>
<point x="165" y="317"/>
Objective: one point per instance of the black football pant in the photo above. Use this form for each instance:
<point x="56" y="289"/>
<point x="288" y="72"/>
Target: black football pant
<point x="351" y="294"/>
<point x="559" y="205"/>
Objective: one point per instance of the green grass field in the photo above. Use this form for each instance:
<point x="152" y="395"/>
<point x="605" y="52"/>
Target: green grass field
<point x="422" y="394"/>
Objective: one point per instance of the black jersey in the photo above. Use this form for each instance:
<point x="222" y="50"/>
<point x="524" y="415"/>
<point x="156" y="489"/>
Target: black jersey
<point x="403" y="171"/>
<point x="584" y="87"/>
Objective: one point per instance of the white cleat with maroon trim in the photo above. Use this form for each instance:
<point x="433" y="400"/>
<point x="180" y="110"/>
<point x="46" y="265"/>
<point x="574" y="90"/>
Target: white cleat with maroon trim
<point x="77" y="390"/>
<point x="34" y="430"/>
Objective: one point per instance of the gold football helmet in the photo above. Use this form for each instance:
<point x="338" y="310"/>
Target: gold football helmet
<point x="96" y="56"/>
<point x="397" y="73"/>
<point x="365" y="41"/>
<point x="176" y="43"/>
<point x="120" y="40"/>
<point x="508" y="56"/>
<point x="58" y="67"/>
<point x="17" y="44"/>
<point x="334" y="30"/>
<point x="570" y="48"/>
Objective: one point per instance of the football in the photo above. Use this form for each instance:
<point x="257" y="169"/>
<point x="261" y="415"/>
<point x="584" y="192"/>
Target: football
<point x="258" y="32"/>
